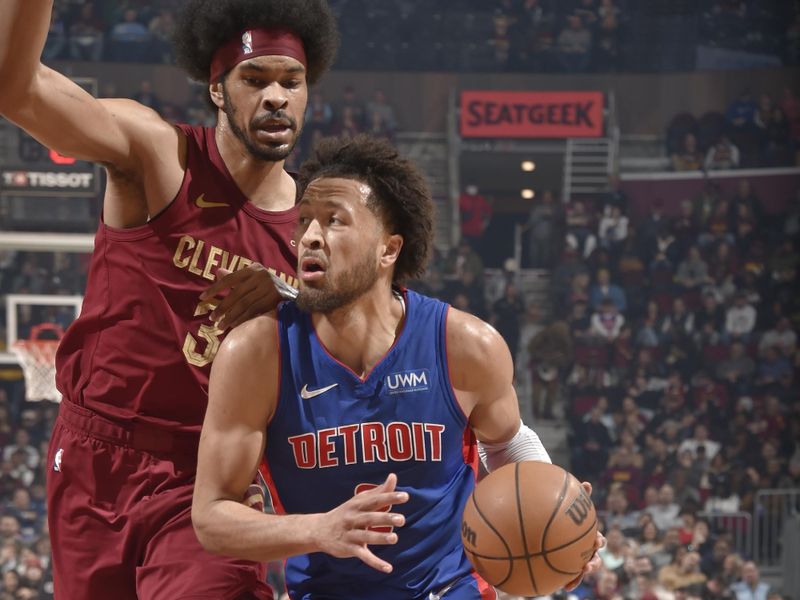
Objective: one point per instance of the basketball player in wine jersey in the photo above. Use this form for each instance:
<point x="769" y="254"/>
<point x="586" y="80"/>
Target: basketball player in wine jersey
<point x="363" y="396"/>
<point x="183" y="205"/>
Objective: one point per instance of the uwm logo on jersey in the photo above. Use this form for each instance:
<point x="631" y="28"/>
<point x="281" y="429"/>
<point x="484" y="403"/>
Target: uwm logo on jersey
<point x="408" y="381"/>
<point x="367" y="443"/>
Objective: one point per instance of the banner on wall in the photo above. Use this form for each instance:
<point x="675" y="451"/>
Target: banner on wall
<point x="500" y="114"/>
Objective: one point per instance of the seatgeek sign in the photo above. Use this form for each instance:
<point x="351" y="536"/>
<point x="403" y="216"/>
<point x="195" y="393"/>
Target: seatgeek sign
<point x="502" y="114"/>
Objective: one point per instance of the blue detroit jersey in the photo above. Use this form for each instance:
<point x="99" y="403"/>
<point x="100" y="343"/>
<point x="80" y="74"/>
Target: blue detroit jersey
<point x="335" y="434"/>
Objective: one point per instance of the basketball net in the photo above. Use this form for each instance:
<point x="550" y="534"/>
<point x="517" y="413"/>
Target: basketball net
<point x="38" y="360"/>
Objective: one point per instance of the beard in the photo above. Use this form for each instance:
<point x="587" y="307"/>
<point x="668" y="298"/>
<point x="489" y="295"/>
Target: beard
<point x="275" y="153"/>
<point x="341" y="290"/>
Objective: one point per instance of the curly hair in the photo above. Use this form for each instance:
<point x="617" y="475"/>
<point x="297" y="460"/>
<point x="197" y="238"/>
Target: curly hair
<point x="400" y="194"/>
<point x="205" y="25"/>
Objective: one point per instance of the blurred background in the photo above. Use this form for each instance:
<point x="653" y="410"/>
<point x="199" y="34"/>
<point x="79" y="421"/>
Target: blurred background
<point x="618" y="191"/>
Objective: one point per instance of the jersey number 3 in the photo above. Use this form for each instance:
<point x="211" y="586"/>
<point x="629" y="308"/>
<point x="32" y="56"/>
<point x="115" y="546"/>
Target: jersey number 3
<point x="209" y="339"/>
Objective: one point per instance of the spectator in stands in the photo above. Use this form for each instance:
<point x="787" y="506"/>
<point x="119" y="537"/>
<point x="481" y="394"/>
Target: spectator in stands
<point x="607" y="42"/>
<point x="56" y="37"/>
<point x="500" y="41"/>
<point x="604" y="289"/>
<point x="746" y="196"/>
<point x="594" y="443"/>
<point x="688" y="157"/>
<point x="352" y="104"/>
<point x="550" y="352"/>
<point x="763" y="114"/>
<point x="130" y="29"/>
<point x="319" y="114"/>
<point x="579" y="320"/>
<point x="649" y="537"/>
<point x="20" y="471"/>
<point x="348" y="125"/>
<point x="615" y="552"/>
<point x="86" y="35"/>
<point x="613" y="231"/>
<point x="678" y="325"/>
<point x="461" y="259"/>
<point x="476" y="213"/>
<point x="671" y="545"/>
<point x="684" y="228"/>
<point x="722" y="155"/>
<point x="507" y="315"/>
<point x="782" y="337"/>
<point x="23" y="510"/>
<point x="574" y="45"/>
<point x="692" y="272"/>
<point x="22" y="443"/>
<point x="614" y="196"/>
<point x="607" y="586"/>
<point x="683" y="574"/>
<point x="619" y="513"/>
<point x="740" y="319"/>
<point x="380" y="106"/>
<point x="9" y="530"/>
<point x="606" y="322"/>
<point x="738" y="369"/>
<point x="750" y="587"/>
<point x="130" y="39"/>
<point x="377" y="127"/>
<point x="779" y="149"/>
<point x="700" y="439"/>
<point x="161" y="28"/>
<point x="579" y="229"/>
<point x="648" y="230"/>
<point x="545" y="222"/>
<point x="665" y="510"/>
<point x="742" y="111"/>
<point x="623" y="472"/>
<point x="772" y="367"/>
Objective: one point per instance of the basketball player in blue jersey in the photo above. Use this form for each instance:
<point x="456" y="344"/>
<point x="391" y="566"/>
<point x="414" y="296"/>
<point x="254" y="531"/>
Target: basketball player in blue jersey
<point x="368" y="415"/>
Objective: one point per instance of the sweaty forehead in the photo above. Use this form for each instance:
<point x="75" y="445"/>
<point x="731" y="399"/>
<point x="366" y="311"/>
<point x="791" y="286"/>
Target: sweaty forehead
<point x="339" y="190"/>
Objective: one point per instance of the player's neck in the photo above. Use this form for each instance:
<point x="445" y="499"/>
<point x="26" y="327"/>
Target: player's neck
<point x="265" y="184"/>
<point x="359" y="335"/>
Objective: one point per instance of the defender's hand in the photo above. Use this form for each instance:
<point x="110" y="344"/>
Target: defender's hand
<point x="250" y="292"/>
<point x="595" y="562"/>
<point x="345" y="532"/>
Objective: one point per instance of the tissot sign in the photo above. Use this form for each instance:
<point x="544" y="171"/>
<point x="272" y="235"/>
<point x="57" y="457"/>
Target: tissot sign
<point x="493" y="114"/>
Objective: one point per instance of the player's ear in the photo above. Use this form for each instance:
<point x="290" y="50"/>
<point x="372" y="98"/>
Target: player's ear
<point x="217" y="97"/>
<point x="391" y="250"/>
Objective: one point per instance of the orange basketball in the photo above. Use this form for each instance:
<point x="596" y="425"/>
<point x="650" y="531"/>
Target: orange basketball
<point x="529" y="528"/>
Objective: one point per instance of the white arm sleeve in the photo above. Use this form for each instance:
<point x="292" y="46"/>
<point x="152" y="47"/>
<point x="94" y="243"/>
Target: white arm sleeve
<point x="525" y="445"/>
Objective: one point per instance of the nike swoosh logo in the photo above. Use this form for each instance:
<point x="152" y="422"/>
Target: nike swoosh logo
<point x="203" y="203"/>
<point x="307" y="394"/>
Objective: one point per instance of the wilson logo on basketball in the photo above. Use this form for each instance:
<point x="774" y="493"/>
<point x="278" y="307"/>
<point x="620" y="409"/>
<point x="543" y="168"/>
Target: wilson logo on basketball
<point x="468" y="534"/>
<point x="408" y="381"/>
<point x="579" y="508"/>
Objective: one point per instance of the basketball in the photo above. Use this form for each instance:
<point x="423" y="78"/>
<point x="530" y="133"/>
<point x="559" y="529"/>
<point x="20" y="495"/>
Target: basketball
<point x="529" y="528"/>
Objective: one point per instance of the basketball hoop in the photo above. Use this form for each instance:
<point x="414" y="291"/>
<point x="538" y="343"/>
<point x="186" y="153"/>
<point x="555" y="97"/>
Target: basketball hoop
<point x="38" y="360"/>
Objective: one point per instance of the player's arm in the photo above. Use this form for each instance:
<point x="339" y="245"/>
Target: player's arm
<point x="58" y="112"/>
<point x="242" y="398"/>
<point x="482" y="373"/>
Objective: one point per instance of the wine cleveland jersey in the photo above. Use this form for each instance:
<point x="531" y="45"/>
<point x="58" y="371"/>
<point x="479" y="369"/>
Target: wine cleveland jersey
<point x="142" y="347"/>
<point x="335" y="434"/>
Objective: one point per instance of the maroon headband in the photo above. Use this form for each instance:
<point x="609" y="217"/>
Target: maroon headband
<point x="256" y="42"/>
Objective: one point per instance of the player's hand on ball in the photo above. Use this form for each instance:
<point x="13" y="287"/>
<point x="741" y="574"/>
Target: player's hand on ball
<point x="250" y="292"/>
<point x="346" y="531"/>
<point x="595" y="562"/>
